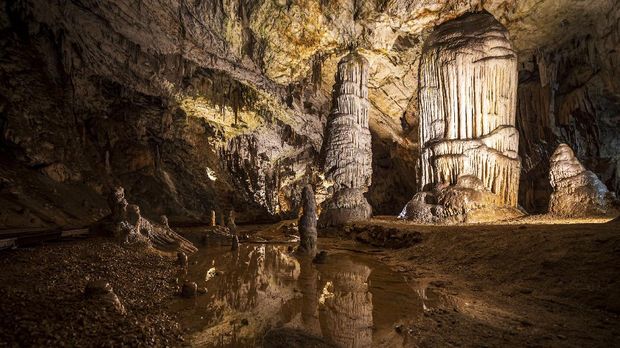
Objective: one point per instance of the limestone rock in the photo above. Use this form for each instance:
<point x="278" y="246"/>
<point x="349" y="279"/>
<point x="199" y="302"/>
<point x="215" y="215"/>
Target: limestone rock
<point x="467" y="100"/>
<point x="576" y="191"/>
<point x="189" y="289"/>
<point x="128" y="226"/>
<point x="348" y="156"/>
<point x="101" y="293"/>
<point x="307" y="223"/>
<point x="182" y="259"/>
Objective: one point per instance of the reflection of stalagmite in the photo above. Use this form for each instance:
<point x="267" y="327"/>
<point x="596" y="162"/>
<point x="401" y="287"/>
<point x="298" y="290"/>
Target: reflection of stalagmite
<point x="346" y="311"/>
<point x="308" y="282"/>
<point x="467" y="100"/>
<point x="348" y="156"/>
<point x="307" y="223"/>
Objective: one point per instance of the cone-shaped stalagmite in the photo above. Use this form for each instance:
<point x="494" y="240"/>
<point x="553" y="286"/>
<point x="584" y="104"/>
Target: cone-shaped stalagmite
<point x="577" y="192"/>
<point x="467" y="101"/>
<point x="307" y="223"/>
<point x="348" y="155"/>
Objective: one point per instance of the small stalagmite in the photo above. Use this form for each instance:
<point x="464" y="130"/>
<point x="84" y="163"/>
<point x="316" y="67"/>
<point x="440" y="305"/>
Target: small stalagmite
<point x="213" y="220"/>
<point x="577" y="192"/>
<point x="347" y="161"/>
<point x="467" y="101"/>
<point x="307" y="223"/>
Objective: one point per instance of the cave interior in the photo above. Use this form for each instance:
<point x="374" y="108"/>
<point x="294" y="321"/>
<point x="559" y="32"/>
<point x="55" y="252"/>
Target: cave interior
<point x="310" y="173"/>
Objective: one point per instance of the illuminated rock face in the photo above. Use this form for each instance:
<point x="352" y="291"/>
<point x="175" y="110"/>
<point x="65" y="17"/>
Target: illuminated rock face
<point x="467" y="101"/>
<point x="348" y="156"/>
<point x="576" y="190"/>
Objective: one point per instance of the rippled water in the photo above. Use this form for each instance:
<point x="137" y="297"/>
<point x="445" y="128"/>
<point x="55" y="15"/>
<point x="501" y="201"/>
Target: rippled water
<point x="352" y="300"/>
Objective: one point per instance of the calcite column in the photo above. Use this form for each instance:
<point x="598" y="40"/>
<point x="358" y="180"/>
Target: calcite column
<point x="467" y="102"/>
<point x="348" y="155"/>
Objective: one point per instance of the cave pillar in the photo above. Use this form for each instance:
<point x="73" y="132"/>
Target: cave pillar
<point x="469" y="143"/>
<point x="347" y="161"/>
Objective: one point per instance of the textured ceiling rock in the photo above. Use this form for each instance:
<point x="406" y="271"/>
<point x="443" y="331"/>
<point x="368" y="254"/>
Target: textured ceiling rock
<point x="167" y="93"/>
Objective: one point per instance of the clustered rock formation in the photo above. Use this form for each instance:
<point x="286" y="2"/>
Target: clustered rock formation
<point x="577" y="192"/>
<point x="467" y="101"/>
<point x="128" y="226"/>
<point x="348" y="155"/>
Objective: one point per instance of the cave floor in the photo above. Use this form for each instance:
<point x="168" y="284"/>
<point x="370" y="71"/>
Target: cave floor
<point x="528" y="283"/>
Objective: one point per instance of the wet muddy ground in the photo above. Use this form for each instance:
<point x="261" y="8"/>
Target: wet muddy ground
<point x="523" y="284"/>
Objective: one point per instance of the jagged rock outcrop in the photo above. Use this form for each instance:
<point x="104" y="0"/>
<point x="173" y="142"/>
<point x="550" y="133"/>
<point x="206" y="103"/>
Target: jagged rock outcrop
<point x="307" y="223"/>
<point x="348" y="156"/>
<point x="467" y="100"/>
<point x="577" y="192"/>
<point x="128" y="226"/>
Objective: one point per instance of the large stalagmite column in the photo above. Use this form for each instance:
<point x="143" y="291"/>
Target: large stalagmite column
<point x="348" y="154"/>
<point x="467" y="102"/>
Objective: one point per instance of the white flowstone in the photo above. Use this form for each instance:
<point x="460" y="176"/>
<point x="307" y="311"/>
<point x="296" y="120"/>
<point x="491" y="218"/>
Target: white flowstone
<point x="467" y="102"/>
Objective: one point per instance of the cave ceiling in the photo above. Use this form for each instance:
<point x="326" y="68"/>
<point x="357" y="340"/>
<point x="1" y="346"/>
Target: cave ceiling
<point x="273" y="45"/>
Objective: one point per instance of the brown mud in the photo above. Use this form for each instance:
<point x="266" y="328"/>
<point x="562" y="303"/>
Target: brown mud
<point x="534" y="282"/>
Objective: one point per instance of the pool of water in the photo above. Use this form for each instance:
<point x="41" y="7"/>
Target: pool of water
<point x="352" y="300"/>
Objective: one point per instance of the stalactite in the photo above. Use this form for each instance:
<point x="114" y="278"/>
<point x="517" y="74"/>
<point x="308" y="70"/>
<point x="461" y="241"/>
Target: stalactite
<point x="348" y="155"/>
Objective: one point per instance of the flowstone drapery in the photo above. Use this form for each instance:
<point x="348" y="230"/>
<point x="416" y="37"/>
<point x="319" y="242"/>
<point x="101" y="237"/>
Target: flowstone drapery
<point x="467" y="101"/>
<point x="348" y="157"/>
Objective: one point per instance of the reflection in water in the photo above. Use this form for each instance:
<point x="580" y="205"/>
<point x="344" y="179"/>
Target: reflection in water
<point x="346" y="311"/>
<point x="348" y="302"/>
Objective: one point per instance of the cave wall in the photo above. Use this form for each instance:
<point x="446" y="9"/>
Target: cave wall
<point x="570" y="94"/>
<point x="222" y="104"/>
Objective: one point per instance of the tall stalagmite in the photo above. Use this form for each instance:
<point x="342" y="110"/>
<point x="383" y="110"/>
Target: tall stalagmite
<point x="348" y="155"/>
<point x="307" y="223"/>
<point x="467" y="101"/>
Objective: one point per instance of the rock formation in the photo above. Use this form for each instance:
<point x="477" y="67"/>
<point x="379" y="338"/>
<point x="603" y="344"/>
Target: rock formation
<point x="577" y="192"/>
<point x="307" y="223"/>
<point x="128" y="226"/>
<point x="348" y="156"/>
<point x="467" y="100"/>
<point x="101" y="294"/>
